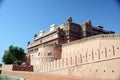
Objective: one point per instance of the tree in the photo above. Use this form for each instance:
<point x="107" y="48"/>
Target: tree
<point x="14" y="54"/>
<point x="8" y="59"/>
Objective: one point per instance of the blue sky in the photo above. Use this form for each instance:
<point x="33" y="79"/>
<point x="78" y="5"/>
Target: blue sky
<point x="21" y="19"/>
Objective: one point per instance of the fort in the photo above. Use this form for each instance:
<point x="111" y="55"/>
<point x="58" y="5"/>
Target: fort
<point x="78" y="51"/>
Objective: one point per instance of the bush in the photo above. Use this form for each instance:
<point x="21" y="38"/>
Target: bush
<point x="18" y="62"/>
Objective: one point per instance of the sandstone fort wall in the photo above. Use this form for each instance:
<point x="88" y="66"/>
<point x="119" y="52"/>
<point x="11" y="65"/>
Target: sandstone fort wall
<point x="97" y="56"/>
<point x="93" y="57"/>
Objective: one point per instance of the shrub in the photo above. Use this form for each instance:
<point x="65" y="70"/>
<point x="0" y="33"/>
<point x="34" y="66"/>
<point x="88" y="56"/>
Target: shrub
<point x="18" y="62"/>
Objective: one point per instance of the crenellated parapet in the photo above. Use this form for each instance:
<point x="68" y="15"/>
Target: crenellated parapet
<point x="105" y="48"/>
<point x="101" y="36"/>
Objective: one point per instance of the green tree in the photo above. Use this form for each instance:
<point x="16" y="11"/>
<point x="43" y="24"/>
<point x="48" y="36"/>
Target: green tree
<point x="8" y="59"/>
<point x="14" y="54"/>
<point x="18" y="62"/>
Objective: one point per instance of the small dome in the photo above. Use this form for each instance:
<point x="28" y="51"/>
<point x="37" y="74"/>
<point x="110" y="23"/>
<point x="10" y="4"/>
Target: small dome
<point x="53" y="25"/>
<point x="41" y="33"/>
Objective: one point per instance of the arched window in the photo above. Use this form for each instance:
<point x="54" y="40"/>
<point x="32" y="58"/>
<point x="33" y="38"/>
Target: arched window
<point x="38" y="54"/>
<point x="49" y="54"/>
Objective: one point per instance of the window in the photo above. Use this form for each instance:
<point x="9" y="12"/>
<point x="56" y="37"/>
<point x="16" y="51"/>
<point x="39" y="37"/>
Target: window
<point x="49" y="54"/>
<point x="102" y="51"/>
<point x="36" y="49"/>
<point x="112" y="70"/>
<point x="96" y="70"/>
<point x="38" y="54"/>
<point x="90" y="70"/>
<point x="104" y="70"/>
<point x="40" y="41"/>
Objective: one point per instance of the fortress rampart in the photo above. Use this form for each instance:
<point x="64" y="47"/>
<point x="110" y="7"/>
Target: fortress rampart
<point x="96" y="56"/>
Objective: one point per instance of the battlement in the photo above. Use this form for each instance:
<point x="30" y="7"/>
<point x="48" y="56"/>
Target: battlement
<point x="79" y="60"/>
<point x="100" y="60"/>
<point x="101" y="36"/>
<point x="106" y="48"/>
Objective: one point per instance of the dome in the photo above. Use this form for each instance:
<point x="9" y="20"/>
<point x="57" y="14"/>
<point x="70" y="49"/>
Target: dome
<point x="53" y="27"/>
<point x="41" y="33"/>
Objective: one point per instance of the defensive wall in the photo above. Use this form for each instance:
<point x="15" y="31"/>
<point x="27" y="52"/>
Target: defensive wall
<point x="93" y="57"/>
<point x="40" y="76"/>
<point x="96" y="56"/>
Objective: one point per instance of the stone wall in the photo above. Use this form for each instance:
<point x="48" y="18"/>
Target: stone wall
<point x="45" y="54"/>
<point x="98" y="56"/>
<point x="93" y="57"/>
<point x="87" y="45"/>
<point x="99" y="68"/>
<point x="44" y="76"/>
<point x="39" y="76"/>
<point x="7" y="67"/>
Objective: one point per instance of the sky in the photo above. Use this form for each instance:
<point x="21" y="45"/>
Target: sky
<point x="21" y="19"/>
